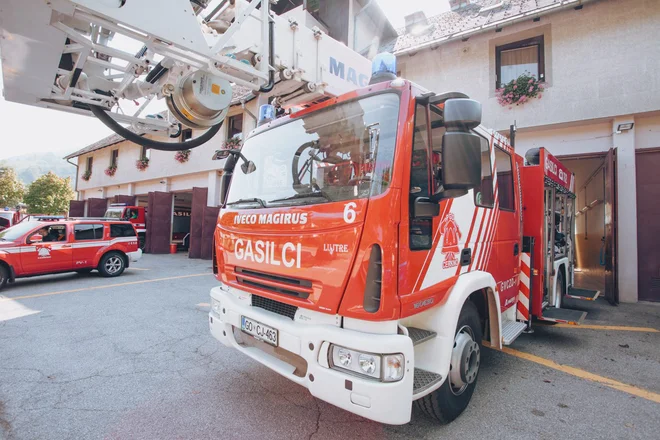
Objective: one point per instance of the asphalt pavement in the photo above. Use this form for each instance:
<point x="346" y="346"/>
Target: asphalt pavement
<point x="85" y="357"/>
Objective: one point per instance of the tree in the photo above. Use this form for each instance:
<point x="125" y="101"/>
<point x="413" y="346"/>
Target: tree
<point x="49" y="194"/>
<point x="11" y="189"/>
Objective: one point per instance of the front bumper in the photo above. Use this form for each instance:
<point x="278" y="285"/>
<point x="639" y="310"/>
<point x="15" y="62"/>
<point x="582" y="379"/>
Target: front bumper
<point x="379" y="401"/>
<point x="134" y="256"/>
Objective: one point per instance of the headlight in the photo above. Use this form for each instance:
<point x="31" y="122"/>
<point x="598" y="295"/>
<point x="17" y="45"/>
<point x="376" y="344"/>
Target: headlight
<point x="215" y="306"/>
<point x="387" y="368"/>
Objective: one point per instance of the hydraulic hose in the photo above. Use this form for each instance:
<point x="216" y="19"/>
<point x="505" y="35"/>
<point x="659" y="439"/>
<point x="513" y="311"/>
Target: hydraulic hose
<point x="107" y="120"/>
<point x="271" y="58"/>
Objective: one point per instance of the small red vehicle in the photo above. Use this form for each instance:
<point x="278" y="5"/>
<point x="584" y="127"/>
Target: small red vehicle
<point x="38" y="248"/>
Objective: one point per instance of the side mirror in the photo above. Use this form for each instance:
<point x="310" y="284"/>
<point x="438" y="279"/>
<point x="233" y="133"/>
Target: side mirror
<point x="425" y="208"/>
<point x="462" y="114"/>
<point x="36" y="238"/>
<point x="248" y="167"/>
<point x="461" y="161"/>
<point x="221" y="154"/>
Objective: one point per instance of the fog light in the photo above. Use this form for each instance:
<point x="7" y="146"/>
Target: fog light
<point x="367" y="363"/>
<point x="344" y="357"/>
<point x="393" y="366"/>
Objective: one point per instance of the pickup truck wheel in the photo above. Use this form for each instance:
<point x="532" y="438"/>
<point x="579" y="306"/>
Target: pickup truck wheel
<point x="450" y="400"/>
<point x="112" y="264"/>
<point x="4" y="276"/>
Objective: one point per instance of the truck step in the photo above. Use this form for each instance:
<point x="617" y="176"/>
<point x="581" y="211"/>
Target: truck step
<point x="419" y="335"/>
<point x="423" y="380"/>
<point x="584" y="294"/>
<point x="511" y="330"/>
<point x="567" y="316"/>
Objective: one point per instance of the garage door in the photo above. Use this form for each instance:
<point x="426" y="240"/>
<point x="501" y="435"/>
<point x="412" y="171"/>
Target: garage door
<point x="648" y="226"/>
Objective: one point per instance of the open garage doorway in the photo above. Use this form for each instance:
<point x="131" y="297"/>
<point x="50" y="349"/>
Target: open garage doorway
<point x="181" y="220"/>
<point x="595" y="220"/>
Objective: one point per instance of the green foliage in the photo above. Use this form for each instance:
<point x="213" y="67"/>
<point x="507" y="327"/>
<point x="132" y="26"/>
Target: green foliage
<point x="11" y="189"/>
<point x="519" y="90"/>
<point x="49" y="194"/>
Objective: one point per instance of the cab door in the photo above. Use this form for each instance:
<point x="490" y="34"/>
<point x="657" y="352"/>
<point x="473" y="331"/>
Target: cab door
<point x="52" y="254"/>
<point x="508" y="227"/>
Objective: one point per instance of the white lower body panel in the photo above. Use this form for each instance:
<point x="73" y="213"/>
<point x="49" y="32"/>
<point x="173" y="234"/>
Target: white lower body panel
<point x="389" y="403"/>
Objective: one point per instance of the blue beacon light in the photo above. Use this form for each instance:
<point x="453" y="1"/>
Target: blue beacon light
<point x="266" y="114"/>
<point x="383" y="68"/>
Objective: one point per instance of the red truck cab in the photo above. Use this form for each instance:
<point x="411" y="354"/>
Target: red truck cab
<point x="137" y="215"/>
<point x="37" y="248"/>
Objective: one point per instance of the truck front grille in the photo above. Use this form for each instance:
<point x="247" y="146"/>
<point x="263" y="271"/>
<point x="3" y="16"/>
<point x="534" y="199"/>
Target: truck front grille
<point x="274" y="283"/>
<point x="274" y="306"/>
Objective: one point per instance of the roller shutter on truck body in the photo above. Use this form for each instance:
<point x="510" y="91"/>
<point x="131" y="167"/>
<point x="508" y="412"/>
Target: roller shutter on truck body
<point x="648" y="226"/>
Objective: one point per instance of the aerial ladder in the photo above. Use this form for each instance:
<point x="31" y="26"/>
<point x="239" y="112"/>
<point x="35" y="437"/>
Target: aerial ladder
<point x="103" y="57"/>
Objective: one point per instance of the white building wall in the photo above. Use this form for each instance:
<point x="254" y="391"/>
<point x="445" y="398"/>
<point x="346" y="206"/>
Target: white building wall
<point x="164" y="173"/>
<point x="601" y="62"/>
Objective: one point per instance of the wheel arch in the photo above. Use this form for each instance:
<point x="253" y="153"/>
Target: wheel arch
<point x="105" y="252"/>
<point x="435" y="355"/>
<point x="10" y="269"/>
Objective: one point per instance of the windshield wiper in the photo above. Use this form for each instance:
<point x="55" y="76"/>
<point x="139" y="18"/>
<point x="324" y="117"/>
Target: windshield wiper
<point x="250" y="200"/>
<point x="304" y="196"/>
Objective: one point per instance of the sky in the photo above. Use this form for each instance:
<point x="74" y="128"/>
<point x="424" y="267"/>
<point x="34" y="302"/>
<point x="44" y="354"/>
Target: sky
<point x="29" y="129"/>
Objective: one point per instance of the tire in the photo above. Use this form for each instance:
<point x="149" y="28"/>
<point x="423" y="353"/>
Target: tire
<point x="4" y="276"/>
<point x="112" y="264"/>
<point x="142" y="240"/>
<point x="449" y="401"/>
<point x="84" y="271"/>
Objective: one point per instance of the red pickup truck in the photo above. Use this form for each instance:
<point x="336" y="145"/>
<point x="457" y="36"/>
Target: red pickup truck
<point x="37" y="248"/>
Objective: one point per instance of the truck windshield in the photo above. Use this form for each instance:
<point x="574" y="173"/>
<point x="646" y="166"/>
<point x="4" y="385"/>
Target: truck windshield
<point x="11" y="234"/>
<point x="114" y="213"/>
<point x="341" y="153"/>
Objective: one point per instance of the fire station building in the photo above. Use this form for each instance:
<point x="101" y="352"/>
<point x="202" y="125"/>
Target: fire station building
<point x="599" y="112"/>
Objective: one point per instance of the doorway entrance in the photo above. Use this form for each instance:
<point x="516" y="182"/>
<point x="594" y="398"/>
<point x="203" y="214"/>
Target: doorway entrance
<point x="595" y="222"/>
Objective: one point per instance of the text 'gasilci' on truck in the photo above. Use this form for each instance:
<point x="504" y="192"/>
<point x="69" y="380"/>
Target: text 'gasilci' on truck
<point x="369" y="244"/>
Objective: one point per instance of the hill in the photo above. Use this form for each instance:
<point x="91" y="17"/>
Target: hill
<point x="30" y="166"/>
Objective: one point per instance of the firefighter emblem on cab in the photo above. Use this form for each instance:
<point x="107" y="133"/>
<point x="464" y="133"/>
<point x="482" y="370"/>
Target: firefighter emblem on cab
<point x="450" y="236"/>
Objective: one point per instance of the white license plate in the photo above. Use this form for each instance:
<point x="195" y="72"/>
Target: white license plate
<point x="259" y="330"/>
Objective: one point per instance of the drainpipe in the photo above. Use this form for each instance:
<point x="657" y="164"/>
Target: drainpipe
<point x="565" y="4"/>
<point x="75" y="184"/>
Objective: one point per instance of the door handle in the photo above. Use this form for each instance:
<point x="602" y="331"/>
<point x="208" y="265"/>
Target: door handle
<point x="516" y="250"/>
<point x="65" y="246"/>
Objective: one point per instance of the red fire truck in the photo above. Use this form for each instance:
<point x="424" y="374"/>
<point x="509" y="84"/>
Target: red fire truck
<point x="33" y="248"/>
<point x="134" y="214"/>
<point x="368" y="255"/>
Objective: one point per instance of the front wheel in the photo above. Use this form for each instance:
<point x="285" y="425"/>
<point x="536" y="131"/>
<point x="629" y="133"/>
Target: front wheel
<point x="4" y="276"/>
<point x="450" y="400"/>
<point x="112" y="264"/>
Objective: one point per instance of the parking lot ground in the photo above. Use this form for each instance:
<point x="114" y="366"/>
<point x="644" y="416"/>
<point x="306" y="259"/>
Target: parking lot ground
<point x="85" y="357"/>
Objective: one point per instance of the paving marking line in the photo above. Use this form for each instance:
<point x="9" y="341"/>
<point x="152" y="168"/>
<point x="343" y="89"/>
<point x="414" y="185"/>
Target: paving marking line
<point x="582" y="374"/>
<point x="136" y="268"/>
<point x="606" y="327"/>
<point x="106" y="286"/>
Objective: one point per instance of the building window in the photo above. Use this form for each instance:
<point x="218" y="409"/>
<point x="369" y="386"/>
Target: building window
<point x="504" y="180"/>
<point x="526" y="56"/>
<point x="186" y="134"/>
<point x="90" y="162"/>
<point x="113" y="157"/>
<point x="235" y="126"/>
<point x="145" y="153"/>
